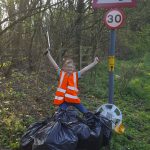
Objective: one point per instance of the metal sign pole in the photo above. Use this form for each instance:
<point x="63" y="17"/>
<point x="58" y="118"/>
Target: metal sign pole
<point x="111" y="62"/>
<point x="114" y="19"/>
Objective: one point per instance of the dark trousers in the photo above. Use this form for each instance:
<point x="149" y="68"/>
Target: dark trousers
<point x="80" y="107"/>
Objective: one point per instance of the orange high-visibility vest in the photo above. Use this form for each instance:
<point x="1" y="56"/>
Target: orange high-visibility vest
<point x="67" y="90"/>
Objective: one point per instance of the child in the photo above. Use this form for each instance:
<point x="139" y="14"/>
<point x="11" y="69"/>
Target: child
<point x="67" y="91"/>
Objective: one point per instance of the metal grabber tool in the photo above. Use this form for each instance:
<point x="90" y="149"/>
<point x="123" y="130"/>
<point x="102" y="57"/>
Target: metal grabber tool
<point x="45" y="30"/>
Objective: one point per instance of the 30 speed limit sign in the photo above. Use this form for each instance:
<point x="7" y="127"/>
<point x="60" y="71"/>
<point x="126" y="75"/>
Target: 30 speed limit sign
<point x="114" y="18"/>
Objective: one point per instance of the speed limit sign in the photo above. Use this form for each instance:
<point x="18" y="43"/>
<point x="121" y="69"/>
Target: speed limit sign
<point x="114" y="18"/>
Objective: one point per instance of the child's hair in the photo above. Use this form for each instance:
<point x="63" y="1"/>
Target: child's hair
<point x="68" y="61"/>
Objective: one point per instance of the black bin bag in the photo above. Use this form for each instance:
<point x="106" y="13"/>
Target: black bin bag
<point x="81" y="129"/>
<point x="106" y="131"/>
<point x="67" y="131"/>
<point x="94" y="139"/>
<point x="27" y="140"/>
<point x="66" y="116"/>
<point x="56" y="136"/>
<point x="100" y="133"/>
<point x="74" y="122"/>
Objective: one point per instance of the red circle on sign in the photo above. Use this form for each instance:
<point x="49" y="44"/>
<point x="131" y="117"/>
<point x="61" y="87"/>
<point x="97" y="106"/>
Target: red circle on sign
<point x="113" y="17"/>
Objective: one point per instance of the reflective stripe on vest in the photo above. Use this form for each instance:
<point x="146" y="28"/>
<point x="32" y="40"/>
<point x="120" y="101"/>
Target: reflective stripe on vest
<point x="61" y="90"/>
<point x="59" y="98"/>
<point x="75" y="79"/>
<point x="71" y="96"/>
<point x="72" y="88"/>
<point x="62" y="78"/>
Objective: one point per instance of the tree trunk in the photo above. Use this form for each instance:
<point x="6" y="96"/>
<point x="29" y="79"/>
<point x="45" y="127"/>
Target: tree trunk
<point x="78" y="24"/>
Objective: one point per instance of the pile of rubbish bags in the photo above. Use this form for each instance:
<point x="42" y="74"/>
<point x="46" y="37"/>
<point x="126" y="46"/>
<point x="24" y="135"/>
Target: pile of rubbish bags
<point x="65" y="130"/>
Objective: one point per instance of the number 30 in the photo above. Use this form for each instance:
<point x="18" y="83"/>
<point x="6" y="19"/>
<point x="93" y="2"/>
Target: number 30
<point x="116" y="18"/>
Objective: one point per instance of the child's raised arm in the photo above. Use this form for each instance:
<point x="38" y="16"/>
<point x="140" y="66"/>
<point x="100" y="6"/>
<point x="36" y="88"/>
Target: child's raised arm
<point x="90" y="66"/>
<point x="52" y="61"/>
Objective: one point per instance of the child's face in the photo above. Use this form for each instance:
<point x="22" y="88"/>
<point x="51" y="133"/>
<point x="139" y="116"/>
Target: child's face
<point x="69" y="67"/>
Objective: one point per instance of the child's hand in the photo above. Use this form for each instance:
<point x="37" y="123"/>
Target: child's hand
<point x="96" y="60"/>
<point x="46" y="52"/>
